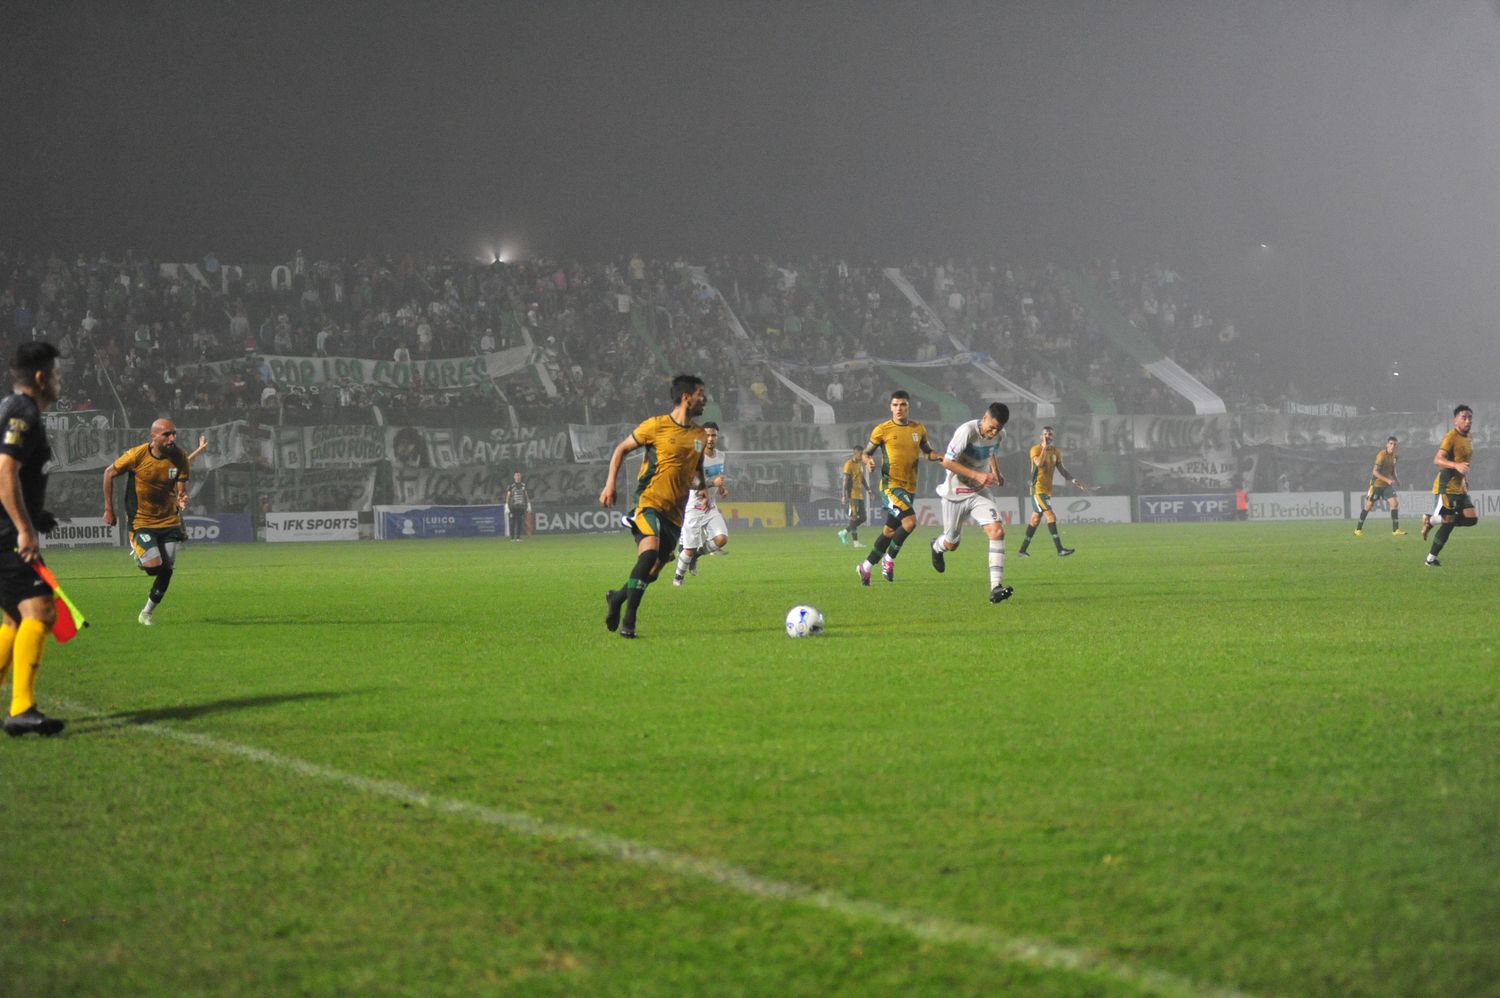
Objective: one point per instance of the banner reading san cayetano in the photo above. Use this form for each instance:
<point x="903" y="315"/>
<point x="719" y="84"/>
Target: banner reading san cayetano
<point x="417" y="446"/>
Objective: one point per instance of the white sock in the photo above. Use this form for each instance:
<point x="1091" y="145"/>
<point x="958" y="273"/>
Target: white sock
<point x="997" y="562"/>
<point x="150" y="606"/>
<point x="937" y="545"/>
<point x="683" y="560"/>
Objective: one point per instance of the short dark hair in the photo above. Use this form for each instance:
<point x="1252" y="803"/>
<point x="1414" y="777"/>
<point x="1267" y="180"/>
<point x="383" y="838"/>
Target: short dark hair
<point x="710" y="425"/>
<point x="1049" y="428"/>
<point x="1000" y="411"/>
<point x="1391" y="440"/>
<point x="31" y="357"/>
<point x="1463" y="408"/>
<point x="900" y="393"/>
<point x="684" y="384"/>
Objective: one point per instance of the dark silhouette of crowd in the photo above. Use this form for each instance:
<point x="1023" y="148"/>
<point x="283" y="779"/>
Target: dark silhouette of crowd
<point x="141" y="339"/>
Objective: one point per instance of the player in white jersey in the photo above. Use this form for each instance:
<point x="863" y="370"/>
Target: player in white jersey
<point x="703" y="526"/>
<point x="972" y="469"/>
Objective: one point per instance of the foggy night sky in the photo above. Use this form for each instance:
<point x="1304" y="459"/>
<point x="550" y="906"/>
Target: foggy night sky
<point x="1359" y="141"/>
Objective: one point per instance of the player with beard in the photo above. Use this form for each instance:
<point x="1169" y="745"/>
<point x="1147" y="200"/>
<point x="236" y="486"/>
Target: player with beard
<point x="672" y="467"/>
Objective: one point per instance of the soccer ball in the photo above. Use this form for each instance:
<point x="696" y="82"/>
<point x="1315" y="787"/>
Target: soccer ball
<point x="804" y="622"/>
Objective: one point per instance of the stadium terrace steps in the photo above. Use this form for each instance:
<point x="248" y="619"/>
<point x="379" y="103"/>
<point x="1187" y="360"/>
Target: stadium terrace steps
<point x="1107" y="318"/>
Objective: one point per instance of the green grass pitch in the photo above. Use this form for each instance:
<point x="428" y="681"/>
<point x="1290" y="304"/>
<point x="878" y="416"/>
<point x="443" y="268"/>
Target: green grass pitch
<point x="1191" y="759"/>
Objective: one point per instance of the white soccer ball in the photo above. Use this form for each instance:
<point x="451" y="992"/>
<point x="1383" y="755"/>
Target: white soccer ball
<point x="804" y="621"/>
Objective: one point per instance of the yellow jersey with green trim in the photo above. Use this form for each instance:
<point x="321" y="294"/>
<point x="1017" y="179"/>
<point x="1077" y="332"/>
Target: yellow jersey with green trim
<point x="854" y="471"/>
<point x="1459" y="447"/>
<point x="673" y="453"/>
<point x="1044" y="462"/>
<point x="900" y="449"/>
<point x="155" y="485"/>
<point x="1385" y="464"/>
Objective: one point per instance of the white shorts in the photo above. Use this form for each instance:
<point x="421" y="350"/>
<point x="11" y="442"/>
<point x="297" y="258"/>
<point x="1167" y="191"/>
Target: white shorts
<point x="699" y="526"/>
<point x="976" y="506"/>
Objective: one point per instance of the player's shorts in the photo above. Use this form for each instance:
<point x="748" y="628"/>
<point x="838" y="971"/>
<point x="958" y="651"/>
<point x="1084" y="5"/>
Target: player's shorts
<point x="18" y="583"/>
<point x="150" y="543"/>
<point x="1378" y="491"/>
<point x="857" y="510"/>
<point x="976" y="506"/>
<point x="700" y="525"/>
<point x="1041" y="502"/>
<point x="897" y="502"/>
<point x="647" y="522"/>
<point x="1452" y="503"/>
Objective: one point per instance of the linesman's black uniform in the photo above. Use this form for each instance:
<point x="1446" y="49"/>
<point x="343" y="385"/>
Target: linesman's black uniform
<point x="23" y="436"/>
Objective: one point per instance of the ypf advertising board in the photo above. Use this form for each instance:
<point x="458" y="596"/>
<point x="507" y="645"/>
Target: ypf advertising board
<point x="1202" y="508"/>
<point x="320" y="526"/>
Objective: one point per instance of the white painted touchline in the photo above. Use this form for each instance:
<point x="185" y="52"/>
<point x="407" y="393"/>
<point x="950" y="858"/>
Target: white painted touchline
<point x="929" y="928"/>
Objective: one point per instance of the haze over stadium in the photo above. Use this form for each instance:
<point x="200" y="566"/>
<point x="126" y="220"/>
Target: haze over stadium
<point x="1355" y="141"/>
<point x="327" y="298"/>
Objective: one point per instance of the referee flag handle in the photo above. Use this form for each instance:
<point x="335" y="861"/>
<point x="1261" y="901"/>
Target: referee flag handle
<point x="70" y="619"/>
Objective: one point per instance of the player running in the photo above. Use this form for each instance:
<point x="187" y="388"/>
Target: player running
<point x="1045" y="459"/>
<point x="902" y="443"/>
<point x="1383" y="485"/>
<point x="703" y="526"/>
<point x="852" y="497"/>
<point x="674" y="461"/>
<point x="972" y="469"/>
<point x="1455" y="507"/>
<point x="159" y="471"/>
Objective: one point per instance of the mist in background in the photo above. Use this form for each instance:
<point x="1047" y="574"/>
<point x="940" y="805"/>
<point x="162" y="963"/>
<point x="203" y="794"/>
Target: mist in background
<point x="1326" y="171"/>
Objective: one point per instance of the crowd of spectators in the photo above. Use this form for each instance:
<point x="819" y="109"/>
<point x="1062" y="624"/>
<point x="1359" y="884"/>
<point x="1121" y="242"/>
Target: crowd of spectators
<point x="143" y="339"/>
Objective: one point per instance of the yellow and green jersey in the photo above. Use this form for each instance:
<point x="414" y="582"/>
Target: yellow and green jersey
<point x="854" y="473"/>
<point x="156" y="479"/>
<point x="1044" y="462"/>
<point x="673" y="453"/>
<point x="900" y="447"/>
<point x="1459" y="447"/>
<point x="1385" y="464"/>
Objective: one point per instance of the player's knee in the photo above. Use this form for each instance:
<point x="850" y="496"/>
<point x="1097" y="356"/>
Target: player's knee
<point x="721" y="540"/>
<point x="153" y="569"/>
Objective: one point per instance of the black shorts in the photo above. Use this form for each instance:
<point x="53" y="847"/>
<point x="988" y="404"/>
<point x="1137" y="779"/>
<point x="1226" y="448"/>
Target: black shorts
<point x="18" y="583"/>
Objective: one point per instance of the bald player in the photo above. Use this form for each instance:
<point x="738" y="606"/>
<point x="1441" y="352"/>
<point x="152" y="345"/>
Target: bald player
<point x="159" y="471"/>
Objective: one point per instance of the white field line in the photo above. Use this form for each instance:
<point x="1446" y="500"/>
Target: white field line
<point x="928" y="928"/>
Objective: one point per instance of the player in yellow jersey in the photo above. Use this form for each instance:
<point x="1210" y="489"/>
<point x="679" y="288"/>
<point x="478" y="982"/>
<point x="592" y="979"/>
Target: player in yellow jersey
<point x="1383" y="484"/>
<point x="1045" y="460"/>
<point x="1455" y="508"/>
<point x="673" y="466"/>
<point x="902" y="443"/>
<point x="852" y="496"/>
<point x="160" y="471"/>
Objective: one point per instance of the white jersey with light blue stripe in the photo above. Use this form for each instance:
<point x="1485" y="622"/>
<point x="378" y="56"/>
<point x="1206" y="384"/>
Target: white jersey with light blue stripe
<point x="971" y="450"/>
<point x="707" y="498"/>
